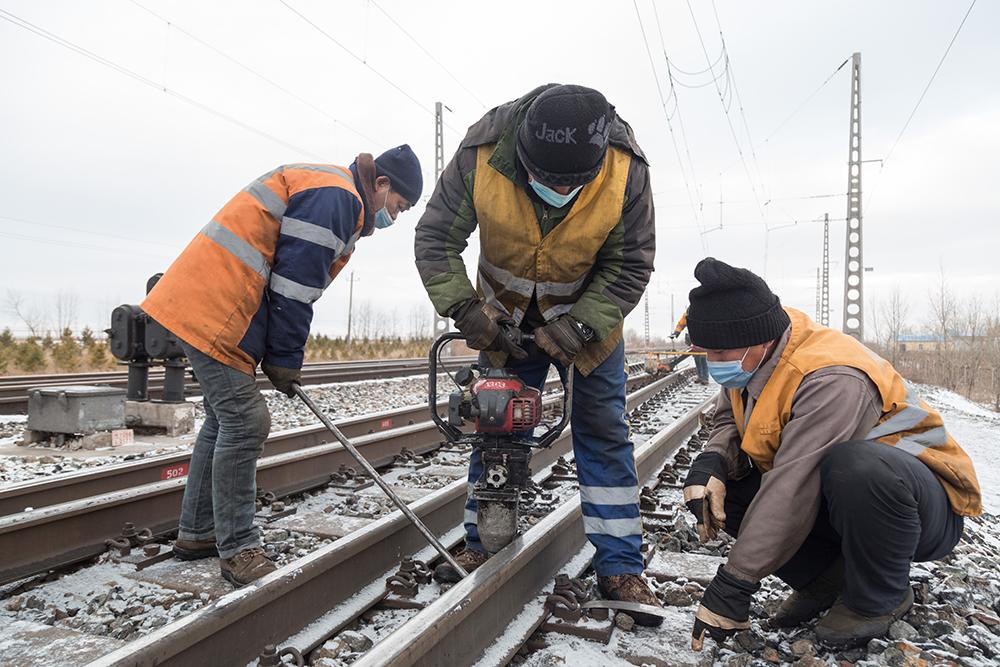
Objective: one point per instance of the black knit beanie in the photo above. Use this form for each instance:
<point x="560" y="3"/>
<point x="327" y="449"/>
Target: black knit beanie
<point x="732" y="308"/>
<point x="401" y="166"/>
<point x="564" y="136"/>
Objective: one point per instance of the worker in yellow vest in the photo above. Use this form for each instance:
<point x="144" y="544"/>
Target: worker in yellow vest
<point x="701" y="366"/>
<point x="831" y="472"/>
<point x="560" y="192"/>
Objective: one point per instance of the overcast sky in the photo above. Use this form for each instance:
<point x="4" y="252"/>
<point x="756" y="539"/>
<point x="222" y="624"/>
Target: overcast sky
<point x="107" y="173"/>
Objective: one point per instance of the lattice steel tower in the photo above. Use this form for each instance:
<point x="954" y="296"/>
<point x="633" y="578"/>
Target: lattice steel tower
<point x="441" y="324"/>
<point x="824" y="292"/>
<point x="647" y="319"/>
<point x="854" y="268"/>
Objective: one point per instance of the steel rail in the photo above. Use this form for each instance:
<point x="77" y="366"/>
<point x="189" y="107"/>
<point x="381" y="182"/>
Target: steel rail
<point x="116" y="477"/>
<point x="61" y="534"/>
<point x="234" y="628"/>
<point x="460" y="625"/>
<point x="14" y="396"/>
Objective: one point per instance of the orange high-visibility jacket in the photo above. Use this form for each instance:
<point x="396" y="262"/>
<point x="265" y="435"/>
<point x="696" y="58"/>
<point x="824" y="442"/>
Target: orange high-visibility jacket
<point x="907" y="422"/>
<point x="242" y="290"/>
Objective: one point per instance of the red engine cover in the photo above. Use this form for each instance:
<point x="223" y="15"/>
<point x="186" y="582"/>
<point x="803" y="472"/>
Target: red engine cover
<point x="523" y="409"/>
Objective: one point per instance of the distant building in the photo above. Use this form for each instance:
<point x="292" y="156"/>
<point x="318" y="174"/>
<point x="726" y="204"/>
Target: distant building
<point x="920" y="342"/>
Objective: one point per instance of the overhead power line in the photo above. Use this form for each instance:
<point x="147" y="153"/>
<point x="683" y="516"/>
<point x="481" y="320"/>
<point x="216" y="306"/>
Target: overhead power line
<point x="402" y="91"/>
<point x="666" y="116"/>
<point x="318" y="109"/>
<point x="132" y="74"/>
<point x="729" y="120"/>
<point x="928" y="86"/>
<point x="429" y="54"/>
<point x="920" y="99"/>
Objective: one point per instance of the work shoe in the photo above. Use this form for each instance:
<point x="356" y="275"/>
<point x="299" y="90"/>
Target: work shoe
<point x="843" y="628"/>
<point x="469" y="559"/>
<point x="631" y="588"/>
<point x="246" y="566"/>
<point x="195" y="549"/>
<point x="809" y="601"/>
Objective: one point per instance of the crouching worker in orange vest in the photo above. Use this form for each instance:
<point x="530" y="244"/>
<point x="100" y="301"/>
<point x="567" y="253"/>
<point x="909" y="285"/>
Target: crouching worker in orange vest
<point x="240" y="294"/>
<point x="831" y="473"/>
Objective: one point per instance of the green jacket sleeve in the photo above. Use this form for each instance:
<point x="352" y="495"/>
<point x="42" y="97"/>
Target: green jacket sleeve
<point x="443" y="233"/>
<point x="625" y="261"/>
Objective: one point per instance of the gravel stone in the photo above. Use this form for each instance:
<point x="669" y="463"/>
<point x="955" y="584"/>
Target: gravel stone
<point x="902" y="630"/>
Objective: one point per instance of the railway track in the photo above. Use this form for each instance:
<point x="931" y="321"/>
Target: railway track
<point x="14" y="396"/>
<point x="320" y="594"/>
<point x="68" y="518"/>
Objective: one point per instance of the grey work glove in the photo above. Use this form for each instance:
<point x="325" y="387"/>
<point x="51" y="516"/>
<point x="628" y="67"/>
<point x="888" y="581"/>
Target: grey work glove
<point x="488" y="328"/>
<point x="562" y="339"/>
<point x="705" y="494"/>
<point x="283" y="378"/>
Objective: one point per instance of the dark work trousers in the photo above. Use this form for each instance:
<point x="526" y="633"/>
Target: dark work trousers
<point x="882" y="509"/>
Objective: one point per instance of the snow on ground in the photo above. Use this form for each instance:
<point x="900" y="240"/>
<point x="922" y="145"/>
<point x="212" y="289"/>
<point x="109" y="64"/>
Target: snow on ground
<point x="977" y="430"/>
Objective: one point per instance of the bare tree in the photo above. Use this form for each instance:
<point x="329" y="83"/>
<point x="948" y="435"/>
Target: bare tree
<point x="29" y="315"/>
<point x="420" y="322"/>
<point x="66" y="310"/>
<point x="895" y="312"/>
<point x="364" y="321"/>
<point x="944" y="311"/>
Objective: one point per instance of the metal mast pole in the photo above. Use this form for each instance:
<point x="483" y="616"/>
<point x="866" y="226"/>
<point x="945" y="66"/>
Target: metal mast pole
<point x="824" y="303"/>
<point x="441" y="324"/>
<point x="854" y="268"/>
<point x="819" y="289"/>
<point x="350" y="307"/>
<point x="647" y="319"/>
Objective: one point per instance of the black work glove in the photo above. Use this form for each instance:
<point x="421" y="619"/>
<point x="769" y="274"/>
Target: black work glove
<point x="675" y="335"/>
<point x="282" y="378"/>
<point x="705" y="493"/>
<point x="488" y="328"/>
<point x="724" y="609"/>
<point x="562" y="339"/>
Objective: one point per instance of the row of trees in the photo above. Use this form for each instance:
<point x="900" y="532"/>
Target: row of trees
<point x="65" y="353"/>
<point x="960" y="346"/>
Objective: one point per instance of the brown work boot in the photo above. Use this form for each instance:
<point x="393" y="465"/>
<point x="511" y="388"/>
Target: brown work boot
<point x="469" y="559"/>
<point x="195" y="549"/>
<point x="246" y="566"/>
<point x="631" y="588"/>
<point x="843" y="628"/>
<point x="809" y="601"/>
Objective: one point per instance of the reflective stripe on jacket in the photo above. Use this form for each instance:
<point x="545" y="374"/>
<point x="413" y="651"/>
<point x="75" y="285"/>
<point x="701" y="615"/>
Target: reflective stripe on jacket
<point x="242" y="290"/>
<point x="907" y="422"/>
<point x="516" y="261"/>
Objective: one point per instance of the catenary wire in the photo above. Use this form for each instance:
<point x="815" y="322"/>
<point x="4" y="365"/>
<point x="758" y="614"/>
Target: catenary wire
<point x="271" y="82"/>
<point x="663" y="106"/>
<point x="429" y="54"/>
<point x="361" y="60"/>
<point x="729" y="121"/>
<point x="121" y="69"/>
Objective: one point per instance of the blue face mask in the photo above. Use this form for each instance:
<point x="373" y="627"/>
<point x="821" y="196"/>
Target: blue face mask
<point x="550" y="196"/>
<point x="382" y="217"/>
<point x="730" y="374"/>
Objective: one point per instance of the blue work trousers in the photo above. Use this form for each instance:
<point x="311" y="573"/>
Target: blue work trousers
<point x="221" y="492"/>
<point x="605" y="462"/>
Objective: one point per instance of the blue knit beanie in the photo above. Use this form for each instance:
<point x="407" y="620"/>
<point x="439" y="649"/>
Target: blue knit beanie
<point x="402" y="167"/>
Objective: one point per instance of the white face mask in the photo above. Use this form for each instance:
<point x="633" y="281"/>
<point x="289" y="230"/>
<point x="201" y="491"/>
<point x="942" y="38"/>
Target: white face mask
<point x="382" y="217"/>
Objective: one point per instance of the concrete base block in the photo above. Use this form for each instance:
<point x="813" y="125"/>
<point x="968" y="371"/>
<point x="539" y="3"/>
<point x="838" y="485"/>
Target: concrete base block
<point x="322" y="524"/>
<point x="668" y="566"/>
<point x="28" y="644"/>
<point x="194" y="576"/>
<point x="173" y="418"/>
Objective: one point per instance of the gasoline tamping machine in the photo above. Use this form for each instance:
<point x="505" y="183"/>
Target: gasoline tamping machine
<point x="506" y="412"/>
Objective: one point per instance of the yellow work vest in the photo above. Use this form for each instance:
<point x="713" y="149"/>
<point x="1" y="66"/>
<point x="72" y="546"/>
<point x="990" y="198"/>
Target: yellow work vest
<point x="907" y="422"/>
<point x="515" y="261"/>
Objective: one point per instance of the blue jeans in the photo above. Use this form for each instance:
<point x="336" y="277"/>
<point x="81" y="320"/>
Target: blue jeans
<point x="220" y="496"/>
<point x="605" y="463"/>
